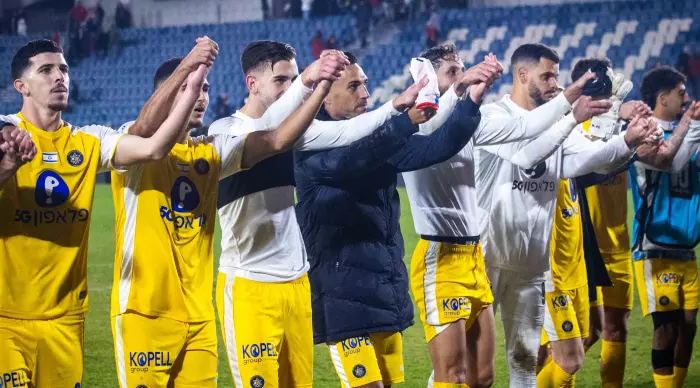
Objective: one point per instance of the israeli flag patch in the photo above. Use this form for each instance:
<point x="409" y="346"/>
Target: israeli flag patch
<point x="50" y="157"/>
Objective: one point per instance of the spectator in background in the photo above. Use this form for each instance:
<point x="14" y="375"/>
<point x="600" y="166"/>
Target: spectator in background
<point x="306" y="8"/>
<point x="78" y="14"/>
<point x="432" y="30"/>
<point x="694" y="74"/>
<point x="123" y="14"/>
<point x="21" y="25"/>
<point x="265" y="9"/>
<point x="317" y="44"/>
<point x="363" y="16"/>
<point x="332" y="43"/>
<point x="222" y="107"/>
<point x="99" y="14"/>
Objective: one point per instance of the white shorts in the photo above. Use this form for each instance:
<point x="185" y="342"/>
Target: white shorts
<point x="520" y="296"/>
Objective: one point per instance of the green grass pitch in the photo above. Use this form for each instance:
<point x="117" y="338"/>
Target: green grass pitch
<point x="99" y="350"/>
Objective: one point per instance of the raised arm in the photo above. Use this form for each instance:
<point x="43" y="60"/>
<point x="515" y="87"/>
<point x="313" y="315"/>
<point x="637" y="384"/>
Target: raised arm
<point x="132" y="149"/>
<point x="327" y="67"/>
<point x="261" y="145"/>
<point x="333" y="134"/>
<point x="527" y="154"/>
<point x="360" y="157"/>
<point x="582" y="156"/>
<point x="674" y="153"/>
<point x="158" y="106"/>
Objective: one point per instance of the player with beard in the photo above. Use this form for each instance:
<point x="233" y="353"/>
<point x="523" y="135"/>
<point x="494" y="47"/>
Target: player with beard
<point x="517" y="188"/>
<point x="45" y="211"/>
<point x="665" y="230"/>
<point x="174" y="313"/>
<point x="448" y="278"/>
<point x="349" y="214"/>
<point x="263" y="265"/>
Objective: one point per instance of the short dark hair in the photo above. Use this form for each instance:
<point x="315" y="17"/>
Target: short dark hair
<point x="586" y="64"/>
<point x="437" y="54"/>
<point x="262" y="52"/>
<point x="20" y="62"/>
<point x="165" y="70"/>
<point x="351" y="57"/>
<point x="659" y="80"/>
<point x="532" y="53"/>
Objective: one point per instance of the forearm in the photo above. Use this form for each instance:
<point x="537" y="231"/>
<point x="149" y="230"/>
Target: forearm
<point x="323" y="135"/>
<point x="448" y="102"/>
<point x="5" y="175"/>
<point x="543" y="146"/>
<point x="261" y="145"/>
<point x="605" y="159"/>
<point x="284" y="106"/>
<point x="135" y="149"/>
<point x="676" y="151"/>
<point x="423" y="151"/>
<point x="158" y="106"/>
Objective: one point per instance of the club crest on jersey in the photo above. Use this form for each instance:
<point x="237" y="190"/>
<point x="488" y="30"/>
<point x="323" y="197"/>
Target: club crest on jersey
<point x="201" y="166"/>
<point x="664" y="301"/>
<point x="359" y="371"/>
<point x="257" y="382"/>
<point x="51" y="190"/>
<point x="184" y="195"/>
<point x="567" y="326"/>
<point x="75" y="158"/>
<point x="537" y="171"/>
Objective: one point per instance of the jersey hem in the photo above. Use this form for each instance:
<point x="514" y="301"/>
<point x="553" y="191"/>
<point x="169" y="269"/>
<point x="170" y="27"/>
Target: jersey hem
<point x="153" y="314"/>
<point x="262" y="278"/>
<point x="33" y="317"/>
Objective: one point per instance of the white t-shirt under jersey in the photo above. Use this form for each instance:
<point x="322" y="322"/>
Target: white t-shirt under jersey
<point x="261" y="240"/>
<point x="442" y="196"/>
<point x="517" y="186"/>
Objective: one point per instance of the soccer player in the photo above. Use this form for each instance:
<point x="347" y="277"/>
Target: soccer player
<point x="517" y="187"/>
<point x="178" y="323"/>
<point x="607" y="218"/>
<point x="448" y="278"/>
<point x="263" y="265"/>
<point x="45" y="210"/>
<point x="349" y="214"/>
<point x="665" y="230"/>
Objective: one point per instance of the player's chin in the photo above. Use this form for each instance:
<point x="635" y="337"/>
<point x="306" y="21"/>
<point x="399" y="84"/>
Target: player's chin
<point x="196" y="122"/>
<point x="58" y="106"/>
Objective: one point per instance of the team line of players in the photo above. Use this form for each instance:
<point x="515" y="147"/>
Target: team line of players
<point x="497" y="194"/>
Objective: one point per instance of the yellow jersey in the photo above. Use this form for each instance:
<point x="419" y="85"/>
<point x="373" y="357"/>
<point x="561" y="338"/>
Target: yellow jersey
<point x="44" y="221"/>
<point x="165" y="219"/>
<point x="568" y="270"/>
<point x="607" y="205"/>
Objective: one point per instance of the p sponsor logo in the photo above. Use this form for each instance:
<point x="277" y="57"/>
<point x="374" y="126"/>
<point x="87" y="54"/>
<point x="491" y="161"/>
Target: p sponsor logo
<point x="667" y="278"/>
<point x="355" y="344"/>
<point x="455" y="306"/>
<point x="51" y="190"/>
<point x="255" y="353"/>
<point x="142" y="361"/>
<point x="13" y="379"/>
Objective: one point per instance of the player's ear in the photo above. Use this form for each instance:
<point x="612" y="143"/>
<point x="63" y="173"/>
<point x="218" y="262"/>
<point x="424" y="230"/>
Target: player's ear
<point x="21" y="87"/>
<point x="662" y="99"/>
<point x="251" y="83"/>
<point x="522" y="75"/>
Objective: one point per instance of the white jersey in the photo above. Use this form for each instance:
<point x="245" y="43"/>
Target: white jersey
<point x="261" y="240"/>
<point x="517" y="186"/>
<point x="443" y="196"/>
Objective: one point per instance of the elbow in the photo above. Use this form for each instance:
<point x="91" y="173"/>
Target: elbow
<point x="154" y="153"/>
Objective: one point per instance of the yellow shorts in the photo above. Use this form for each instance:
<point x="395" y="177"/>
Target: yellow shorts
<point x="566" y="315"/>
<point x="449" y="283"/>
<point x="367" y="359"/>
<point x="267" y="331"/>
<point x="160" y="352"/>
<point x="621" y="294"/>
<point x="43" y="353"/>
<point x="667" y="285"/>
